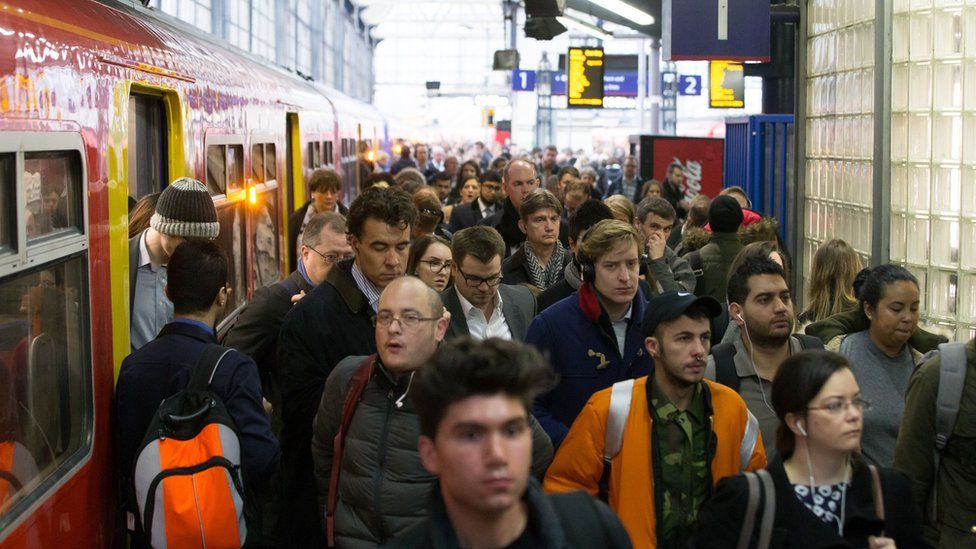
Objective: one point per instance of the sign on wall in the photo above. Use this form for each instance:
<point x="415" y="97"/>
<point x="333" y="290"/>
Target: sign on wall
<point x="584" y="78"/>
<point x="726" y="85"/>
<point x="715" y="29"/>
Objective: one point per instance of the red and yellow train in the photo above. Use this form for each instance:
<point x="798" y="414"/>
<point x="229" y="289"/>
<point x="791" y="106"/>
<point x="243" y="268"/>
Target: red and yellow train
<point x="102" y="103"/>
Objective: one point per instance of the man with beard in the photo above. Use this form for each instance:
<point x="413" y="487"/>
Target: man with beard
<point x="761" y="305"/>
<point x="655" y="446"/>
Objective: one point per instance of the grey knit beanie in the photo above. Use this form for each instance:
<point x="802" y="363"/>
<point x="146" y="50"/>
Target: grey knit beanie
<point x="186" y="209"/>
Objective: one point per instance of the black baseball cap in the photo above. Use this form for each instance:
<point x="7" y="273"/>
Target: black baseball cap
<point x="670" y="305"/>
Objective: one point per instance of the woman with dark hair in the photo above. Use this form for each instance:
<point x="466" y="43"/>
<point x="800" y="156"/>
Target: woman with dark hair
<point x="470" y="169"/>
<point x="430" y="260"/>
<point x="824" y="492"/>
<point x="882" y="359"/>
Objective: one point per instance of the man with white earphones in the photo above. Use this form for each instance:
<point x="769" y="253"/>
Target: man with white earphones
<point x="368" y="476"/>
<point x="761" y="304"/>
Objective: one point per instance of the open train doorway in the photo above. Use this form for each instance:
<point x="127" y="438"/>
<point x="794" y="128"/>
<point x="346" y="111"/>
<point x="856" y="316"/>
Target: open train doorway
<point x="147" y="148"/>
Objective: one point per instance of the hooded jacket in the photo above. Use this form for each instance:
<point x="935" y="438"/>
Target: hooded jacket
<point x="577" y="337"/>
<point x="579" y="462"/>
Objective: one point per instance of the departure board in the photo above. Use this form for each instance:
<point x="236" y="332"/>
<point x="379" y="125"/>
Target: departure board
<point x="584" y="78"/>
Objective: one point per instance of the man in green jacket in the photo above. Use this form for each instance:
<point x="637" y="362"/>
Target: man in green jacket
<point x="724" y="217"/>
<point x="953" y="523"/>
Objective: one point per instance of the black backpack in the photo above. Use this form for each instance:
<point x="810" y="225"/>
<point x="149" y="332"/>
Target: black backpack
<point x="724" y="355"/>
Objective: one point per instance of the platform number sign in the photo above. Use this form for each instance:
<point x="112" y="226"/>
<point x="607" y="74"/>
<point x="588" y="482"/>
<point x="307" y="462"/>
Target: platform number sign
<point x="523" y="81"/>
<point x="689" y="84"/>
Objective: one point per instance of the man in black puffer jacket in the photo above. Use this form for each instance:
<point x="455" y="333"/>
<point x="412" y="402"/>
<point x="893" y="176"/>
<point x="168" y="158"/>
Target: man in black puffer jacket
<point x="382" y="486"/>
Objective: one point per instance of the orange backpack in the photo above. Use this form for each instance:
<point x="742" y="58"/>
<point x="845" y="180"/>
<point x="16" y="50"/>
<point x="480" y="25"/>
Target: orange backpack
<point x="188" y="482"/>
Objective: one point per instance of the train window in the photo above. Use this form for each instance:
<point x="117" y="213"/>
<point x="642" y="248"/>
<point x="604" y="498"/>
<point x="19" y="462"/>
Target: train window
<point x="327" y="147"/>
<point x="263" y="164"/>
<point x="270" y="163"/>
<point x="52" y="181"/>
<point x="45" y="387"/>
<point x="225" y="168"/>
<point x="8" y="210"/>
<point x="147" y="145"/>
<point x="314" y="155"/>
<point x="231" y="240"/>
<point x="265" y="245"/>
<point x="216" y="169"/>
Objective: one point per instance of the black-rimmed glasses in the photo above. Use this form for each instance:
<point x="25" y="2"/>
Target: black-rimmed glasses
<point x="476" y="281"/>
<point x="436" y="265"/>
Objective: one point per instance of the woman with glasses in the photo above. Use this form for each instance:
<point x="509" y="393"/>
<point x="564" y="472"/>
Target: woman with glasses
<point x="823" y="490"/>
<point x="430" y="261"/>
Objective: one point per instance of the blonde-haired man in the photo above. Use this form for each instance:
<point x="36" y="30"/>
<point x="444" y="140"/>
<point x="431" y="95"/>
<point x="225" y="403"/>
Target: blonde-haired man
<point x="593" y="337"/>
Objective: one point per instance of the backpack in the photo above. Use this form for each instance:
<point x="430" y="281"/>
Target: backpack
<point x="620" y="397"/>
<point x="354" y="393"/>
<point x="761" y="481"/>
<point x="188" y="484"/>
<point x="724" y="355"/>
<point x="952" y="378"/>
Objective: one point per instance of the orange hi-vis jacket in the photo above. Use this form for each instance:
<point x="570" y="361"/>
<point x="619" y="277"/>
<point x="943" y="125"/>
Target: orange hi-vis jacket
<point x="578" y="464"/>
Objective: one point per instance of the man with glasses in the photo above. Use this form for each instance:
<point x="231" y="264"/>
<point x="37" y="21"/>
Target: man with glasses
<point x="381" y="487"/>
<point x="630" y="184"/>
<point x="480" y="305"/>
<point x="334" y="321"/>
<point x="468" y="215"/>
<point x="255" y="333"/>
<point x="668" y="271"/>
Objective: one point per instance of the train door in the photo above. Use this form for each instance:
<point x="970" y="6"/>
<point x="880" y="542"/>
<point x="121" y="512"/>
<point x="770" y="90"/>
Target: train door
<point x="147" y="145"/>
<point x="294" y="182"/>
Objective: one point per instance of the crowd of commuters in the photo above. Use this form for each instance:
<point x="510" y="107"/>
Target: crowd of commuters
<point x="536" y="351"/>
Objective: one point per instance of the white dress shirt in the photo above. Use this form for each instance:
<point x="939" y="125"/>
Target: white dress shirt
<point x="496" y="326"/>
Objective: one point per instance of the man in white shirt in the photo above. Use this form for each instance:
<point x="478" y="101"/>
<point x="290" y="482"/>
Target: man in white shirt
<point x="480" y="305"/>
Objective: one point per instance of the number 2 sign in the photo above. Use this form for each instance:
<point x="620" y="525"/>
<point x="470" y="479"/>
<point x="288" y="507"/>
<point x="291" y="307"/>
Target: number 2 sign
<point x="689" y="84"/>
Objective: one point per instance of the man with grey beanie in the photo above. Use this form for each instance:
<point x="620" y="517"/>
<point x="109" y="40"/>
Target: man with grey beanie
<point x="185" y="210"/>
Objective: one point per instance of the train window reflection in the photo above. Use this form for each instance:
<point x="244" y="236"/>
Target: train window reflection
<point x="328" y="153"/>
<point x="314" y="155"/>
<point x="8" y="212"/>
<point x="45" y="404"/>
<point x="225" y="168"/>
<point x="263" y="163"/>
<point x="231" y="240"/>
<point x="52" y="181"/>
<point x="265" y="252"/>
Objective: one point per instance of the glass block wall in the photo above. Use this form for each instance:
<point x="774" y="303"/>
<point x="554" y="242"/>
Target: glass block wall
<point x="933" y="156"/>
<point x="839" y="125"/>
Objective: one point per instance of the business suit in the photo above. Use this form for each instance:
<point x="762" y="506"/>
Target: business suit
<point x="518" y="308"/>
<point x="465" y="215"/>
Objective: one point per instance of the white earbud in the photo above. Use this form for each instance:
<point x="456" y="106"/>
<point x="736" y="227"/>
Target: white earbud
<point x="799" y="427"/>
<point x="739" y="316"/>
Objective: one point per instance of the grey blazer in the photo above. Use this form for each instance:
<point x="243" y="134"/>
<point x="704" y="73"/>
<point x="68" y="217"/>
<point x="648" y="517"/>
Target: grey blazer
<point x="518" y="307"/>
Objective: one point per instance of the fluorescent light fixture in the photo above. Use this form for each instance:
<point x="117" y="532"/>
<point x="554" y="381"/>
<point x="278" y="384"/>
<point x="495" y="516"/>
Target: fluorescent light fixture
<point x="626" y="11"/>
<point x="589" y="28"/>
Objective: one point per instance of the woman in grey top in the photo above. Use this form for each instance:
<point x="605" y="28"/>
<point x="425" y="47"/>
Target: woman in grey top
<point x="881" y="358"/>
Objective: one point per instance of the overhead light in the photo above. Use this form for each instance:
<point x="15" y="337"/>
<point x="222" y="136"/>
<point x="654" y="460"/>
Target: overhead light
<point x="626" y="11"/>
<point x="589" y="28"/>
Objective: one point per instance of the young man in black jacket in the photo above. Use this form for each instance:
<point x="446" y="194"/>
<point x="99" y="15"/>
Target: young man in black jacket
<point x="332" y="322"/>
<point x="473" y="401"/>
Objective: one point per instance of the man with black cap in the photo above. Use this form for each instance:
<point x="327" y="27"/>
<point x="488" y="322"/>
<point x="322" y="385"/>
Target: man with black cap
<point x="654" y="447"/>
<point x="184" y="210"/>
<point x="714" y="259"/>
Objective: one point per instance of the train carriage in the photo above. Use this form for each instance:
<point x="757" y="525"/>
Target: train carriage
<point x="102" y="103"/>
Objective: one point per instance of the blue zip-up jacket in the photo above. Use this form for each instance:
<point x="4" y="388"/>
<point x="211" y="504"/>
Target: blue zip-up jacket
<point x="576" y="335"/>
